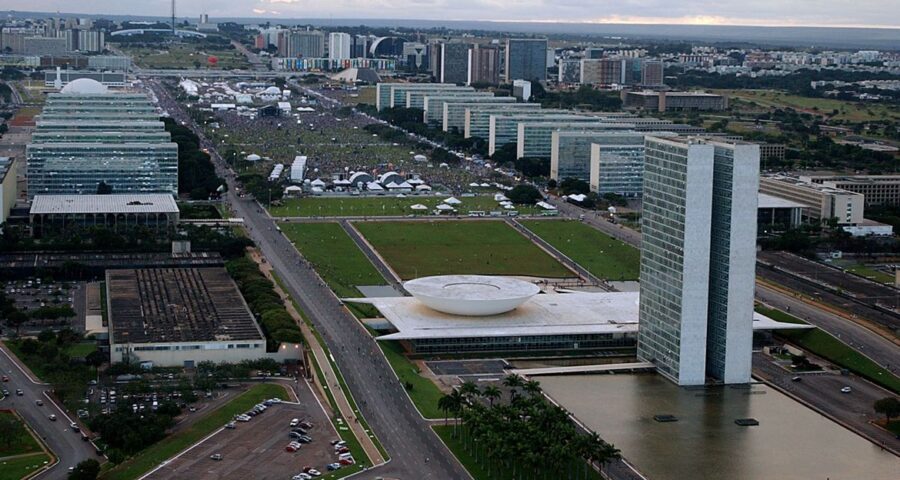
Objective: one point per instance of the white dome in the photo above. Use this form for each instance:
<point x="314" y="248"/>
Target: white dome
<point x="471" y="295"/>
<point x="84" y="86"/>
<point x="252" y="157"/>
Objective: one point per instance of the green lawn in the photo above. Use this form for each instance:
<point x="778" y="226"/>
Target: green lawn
<point x="847" y="110"/>
<point x="18" y="468"/>
<point x="479" y="471"/>
<point x="822" y="344"/>
<point x="419" y="249"/>
<point x="80" y="350"/>
<point x="597" y="252"/>
<point x="872" y="274"/>
<point x="382" y="206"/>
<point x="21" y="439"/>
<point x="424" y="393"/>
<point x="160" y="451"/>
<point x="186" y="56"/>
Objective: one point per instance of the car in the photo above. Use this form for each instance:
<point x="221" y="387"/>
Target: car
<point x="216" y="456"/>
<point x="5" y="392"/>
<point x="230" y="425"/>
<point x="846" y="390"/>
<point x="338" y="443"/>
<point x="52" y="417"/>
<point x="306" y="425"/>
<point x="342" y="450"/>
<point x="333" y="466"/>
<point x="294" y="435"/>
<point x="5" y="378"/>
<point x="292" y="447"/>
<point x="275" y="400"/>
<point x="295" y="422"/>
<point x="299" y="430"/>
<point x="39" y="402"/>
<point x="19" y="392"/>
<point x="192" y="408"/>
<point x="84" y="437"/>
<point x="74" y="427"/>
<point x="314" y="472"/>
<point x="302" y="476"/>
<point x="346" y="461"/>
<point x="796" y="379"/>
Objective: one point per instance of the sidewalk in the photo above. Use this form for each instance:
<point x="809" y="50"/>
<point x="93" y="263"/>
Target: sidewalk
<point x="321" y="357"/>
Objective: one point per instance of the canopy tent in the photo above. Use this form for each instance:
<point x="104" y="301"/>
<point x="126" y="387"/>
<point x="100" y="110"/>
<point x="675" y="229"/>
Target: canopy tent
<point x="252" y="157"/>
<point x="452" y="201"/>
<point x="444" y="207"/>
<point x="546" y="206"/>
<point x="418" y="206"/>
<point x="422" y="188"/>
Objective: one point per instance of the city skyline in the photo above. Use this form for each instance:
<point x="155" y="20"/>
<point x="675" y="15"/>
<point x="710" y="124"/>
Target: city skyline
<point x="865" y="13"/>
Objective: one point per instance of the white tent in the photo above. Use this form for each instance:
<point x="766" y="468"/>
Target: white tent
<point x="420" y="158"/>
<point x="423" y="188"/>
<point x="374" y="187"/>
<point x="474" y="184"/>
<point x="293" y="189"/>
<point x="485" y="185"/>
<point x="444" y="165"/>
<point x="401" y="195"/>
<point x="418" y="206"/>
<point x="577" y="197"/>
<point x="253" y="157"/>
<point x="444" y="207"/>
<point x="546" y="206"/>
<point x="318" y="183"/>
<point x="452" y="201"/>
<point x="499" y="197"/>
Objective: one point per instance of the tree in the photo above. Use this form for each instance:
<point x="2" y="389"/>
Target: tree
<point x="889" y="407"/>
<point x="16" y="319"/>
<point x="492" y="393"/>
<point x="524" y="195"/>
<point x="571" y="186"/>
<point x="86" y="470"/>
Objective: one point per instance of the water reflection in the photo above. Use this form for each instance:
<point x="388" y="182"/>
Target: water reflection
<point x="792" y="442"/>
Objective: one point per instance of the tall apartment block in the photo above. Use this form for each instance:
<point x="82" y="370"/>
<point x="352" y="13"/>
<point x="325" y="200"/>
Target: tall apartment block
<point x="698" y="258"/>
<point x="484" y="65"/>
<point x="526" y="59"/>
<point x="339" y="45"/>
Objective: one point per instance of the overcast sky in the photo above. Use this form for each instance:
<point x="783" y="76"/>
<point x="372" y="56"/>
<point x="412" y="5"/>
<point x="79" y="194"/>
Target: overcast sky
<point x="883" y="13"/>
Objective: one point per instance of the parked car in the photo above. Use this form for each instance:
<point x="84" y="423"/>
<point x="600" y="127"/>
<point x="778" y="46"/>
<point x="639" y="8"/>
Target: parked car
<point x="19" y="392"/>
<point x="306" y="425"/>
<point x="5" y="378"/>
<point x="846" y="390"/>
<point x="216" y="456"/>
<point x="52" y="417"/>
<point x="292" y="447"/>
<point x="346" y="461"/>
<point x="74" y="427"/>
<point x="302" y="476"/>
<point x="230" y="425"/>
<point x="39" y="402"/>
<point x="333" y="466"/>
<point x="295" y="422"/>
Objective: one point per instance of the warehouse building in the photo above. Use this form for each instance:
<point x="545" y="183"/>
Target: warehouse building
<point x="179" y="317"/>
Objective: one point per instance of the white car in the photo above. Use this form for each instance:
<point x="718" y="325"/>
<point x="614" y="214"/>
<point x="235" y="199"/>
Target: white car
<point x="295" y="422"/>
<point x="302" y="476"/>
<point x="314" y="472"/>
<point x="846" y="390"/>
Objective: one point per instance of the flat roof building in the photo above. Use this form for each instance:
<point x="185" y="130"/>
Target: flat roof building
<point x="179" y="317"/>
<point x="477" y="118"/>
<point x="61" y="78"/>
<point x="823" y="202"/>
<point x="877" y="189"/>
<point x="59" y="213"/>
<point x="673" y="101"/>
<point x="456" y="113"/>
<point x="533" y="137"/>
<point x="617" y="163"/>
<point x="698" y="259"/>
<point x="526" y="59"/>
<point x="503" y="127"/>
<point x="394" y="94"/>
<point x="570" y="151"/>
<point x="433" y="103"/>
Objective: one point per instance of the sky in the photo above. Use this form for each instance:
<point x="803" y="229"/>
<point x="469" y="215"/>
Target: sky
<point x="837" y="13"/>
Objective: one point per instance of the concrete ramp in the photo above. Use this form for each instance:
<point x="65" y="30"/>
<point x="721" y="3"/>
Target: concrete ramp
<point x="614" y="367"/>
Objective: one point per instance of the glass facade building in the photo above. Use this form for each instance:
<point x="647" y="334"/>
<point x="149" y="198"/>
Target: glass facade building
<point x="533" y="137"/>
<point x="697" y="258"/>
<point x="526" y="59"/>
<point x="84" y="139"/>
<point x="477" y="118"/>
<point x="455" y="112"/>
<point x="503" y="127"/>
<point x="394" y="94"/>
<point x="433" y="103"/>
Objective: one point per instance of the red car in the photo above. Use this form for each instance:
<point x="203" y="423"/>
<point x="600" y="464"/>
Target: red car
<point x="5" y="378"/>
<point x="292" y="447"/>
<point x="346" y="461"/>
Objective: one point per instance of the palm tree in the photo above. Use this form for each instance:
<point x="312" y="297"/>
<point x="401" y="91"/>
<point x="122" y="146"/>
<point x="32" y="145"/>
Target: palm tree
<point x="469" y="390"/>
<point x="533" y="387"/>
<point x="513" y="381"/>
<point x="448" y="403"/>
<point x="491" y="392"/>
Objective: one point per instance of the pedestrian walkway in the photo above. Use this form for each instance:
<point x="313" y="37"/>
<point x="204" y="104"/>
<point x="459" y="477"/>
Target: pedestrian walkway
<point x="328" y="372"/>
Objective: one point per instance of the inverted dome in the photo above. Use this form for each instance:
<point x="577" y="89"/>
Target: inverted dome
<point x="471" y="295"/>
<point x="84" y="86"/>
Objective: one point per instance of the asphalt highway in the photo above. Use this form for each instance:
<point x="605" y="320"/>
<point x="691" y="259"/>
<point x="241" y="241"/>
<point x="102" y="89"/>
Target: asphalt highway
<point x="62" y="441"/>
<point x="415" y="450"/>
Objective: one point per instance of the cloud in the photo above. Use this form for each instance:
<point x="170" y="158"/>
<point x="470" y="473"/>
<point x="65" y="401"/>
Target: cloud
<point x="696" y="12"/>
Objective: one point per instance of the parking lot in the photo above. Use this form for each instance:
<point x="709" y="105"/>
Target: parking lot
<point x="31" y="294"/>
<point x="261" y="441"/>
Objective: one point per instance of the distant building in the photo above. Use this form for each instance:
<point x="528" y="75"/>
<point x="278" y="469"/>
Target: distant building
<point x="617" y="163"/>
<point x="698" y="259"/>
<point x="415" y="55"/>
<point x="8" y="187"/>
<point x="484" y="65"/>
<point x="772" y="151"/>
<point x="570" y="151"/>
<point x="389" y="95"/>
<point x="85" y="41"/>
<point x="454" y="62"/>
<point x="526" y="59"/>
<point x="877" y="189"/>
<point x="476" y="117"/>
<point x="109" y="62"/>
<point x="673" y="101"/>
<point x="652" y="73"/>
<point x="301" y="43"/>
<point x="109" y="79"/>
<point x="569" y="71"/>
<point x="339" y="45"/>
<point x="824" y="202"/>
<point x="50" y="46"/>
<point x="602" y="71"/>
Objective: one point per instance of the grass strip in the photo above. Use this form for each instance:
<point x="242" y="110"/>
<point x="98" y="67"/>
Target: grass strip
<point x="423" y="392"/>
<point x="18" y="468"/>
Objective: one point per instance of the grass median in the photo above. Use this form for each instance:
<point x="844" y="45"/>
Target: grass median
<point x="152" y="456"/>
<point x="17" y="468"/>
<point x="381" y="206"/>
<point x="822" y="344"/>
<point x="16" y="439"/>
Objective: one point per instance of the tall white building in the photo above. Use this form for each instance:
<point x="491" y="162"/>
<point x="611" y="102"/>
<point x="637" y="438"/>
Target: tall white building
<point x="698" y="258"/>
<point x="339" y="45"/>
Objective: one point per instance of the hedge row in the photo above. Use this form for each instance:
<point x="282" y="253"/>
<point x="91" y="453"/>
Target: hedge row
<point x="277" y="324"/>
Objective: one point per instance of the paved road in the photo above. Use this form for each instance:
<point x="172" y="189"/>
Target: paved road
<point x="63" y="442"/>
<point x="416" y="452"/>
<point x="822" y="391"/>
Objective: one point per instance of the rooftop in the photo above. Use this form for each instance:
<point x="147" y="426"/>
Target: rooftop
<point x="569" y="313"/>
<point x="159" y="305"/>
<point x="116" y="203"/>
<point x="5" y="166"/>
<point x="771" y="201"/>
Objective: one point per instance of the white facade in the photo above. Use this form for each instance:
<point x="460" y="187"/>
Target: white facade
<point x="338" y="45"/>
<point x="698" y="258"/>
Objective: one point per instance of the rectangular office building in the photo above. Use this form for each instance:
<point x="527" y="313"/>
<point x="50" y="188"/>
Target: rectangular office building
<point x="432" y="104"/>
<point x="477" y="118"/>
<point x="503" y="127"/>
<point x="570" y="151"/>
<point x="533" y="136"/>
<point x="454" y="114"/>
<point x="526" y="59"/>
<point x="698" y="258"/>
<point x="394" y="94"/>
<point x="618" y="166"/>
